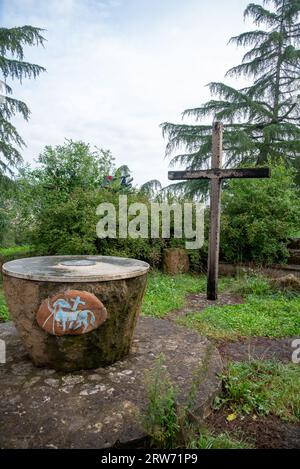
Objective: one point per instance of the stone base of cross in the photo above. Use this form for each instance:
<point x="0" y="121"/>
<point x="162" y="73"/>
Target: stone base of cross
<point x="216" y="174"/>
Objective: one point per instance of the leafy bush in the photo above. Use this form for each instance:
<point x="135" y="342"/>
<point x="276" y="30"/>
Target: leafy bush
<point x="7" y="211"/>
<point x="70" y="228"/>
<point x="67" y="227"/>
<point x="58" y="199"/>
<point x="258" y="216"/>
<point x="198" y="258"/>
<point x="58" y="203"/>
<point x="161" y="420"/>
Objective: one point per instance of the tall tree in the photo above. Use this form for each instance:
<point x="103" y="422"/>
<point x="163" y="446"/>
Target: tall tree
<point x="151" y="189"/>
<point x="261" y="120"/>
<point x="12" y="65"/>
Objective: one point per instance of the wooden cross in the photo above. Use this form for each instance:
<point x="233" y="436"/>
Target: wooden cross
<point x="216" y="174"/>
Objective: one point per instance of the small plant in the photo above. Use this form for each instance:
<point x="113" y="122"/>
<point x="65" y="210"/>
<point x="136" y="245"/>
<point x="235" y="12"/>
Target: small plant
<point x="161" y="420"/>
<point x="262" y="387"/>
<point x="168" y="424"/>
<point x="254" y="284"/>
<point x="222" y="441"/>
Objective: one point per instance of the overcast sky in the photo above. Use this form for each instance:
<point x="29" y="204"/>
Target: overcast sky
<point x="116" y="69"/>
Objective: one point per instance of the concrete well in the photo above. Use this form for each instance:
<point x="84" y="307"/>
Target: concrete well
<point x="75" y="312"/>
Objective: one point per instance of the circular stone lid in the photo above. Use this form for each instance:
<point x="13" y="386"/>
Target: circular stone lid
<point x="75" y="268"/>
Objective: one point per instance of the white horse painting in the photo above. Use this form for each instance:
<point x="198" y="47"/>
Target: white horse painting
<point x="69" y="316"/>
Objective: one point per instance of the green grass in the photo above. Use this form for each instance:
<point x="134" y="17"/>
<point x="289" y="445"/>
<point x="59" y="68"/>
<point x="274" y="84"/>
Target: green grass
<point x="262" y="387"/>
<point x="222" y="441"/>
<point x="271" y="316"/>
<point x="7" y="254"/>
<point x="294" y="234"/>
<point x="166" y="293"/>
<point x="15" y="250"/>
<point x="4" y="315"/>
<point x="264" y="312"/>
<point x="250" y="284"/>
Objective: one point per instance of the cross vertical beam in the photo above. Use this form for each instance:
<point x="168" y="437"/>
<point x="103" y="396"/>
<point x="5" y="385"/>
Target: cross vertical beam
<point x="215" y="211"/>
<point x="216" y="174"/>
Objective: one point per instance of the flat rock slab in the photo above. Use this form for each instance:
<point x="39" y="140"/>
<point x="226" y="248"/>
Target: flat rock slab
<point x="42" y="408"/>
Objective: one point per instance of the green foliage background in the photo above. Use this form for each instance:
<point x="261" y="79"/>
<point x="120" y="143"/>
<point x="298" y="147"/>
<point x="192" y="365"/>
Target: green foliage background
<point x="259" y="216"/>
<point x="53" y="208"/>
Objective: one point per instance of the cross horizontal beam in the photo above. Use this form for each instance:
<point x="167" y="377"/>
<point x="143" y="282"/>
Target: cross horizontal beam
<point x="220" y="174"/>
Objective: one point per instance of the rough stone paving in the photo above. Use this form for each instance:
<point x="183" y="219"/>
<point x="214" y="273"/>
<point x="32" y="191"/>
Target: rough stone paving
<point x="42" y="408"/>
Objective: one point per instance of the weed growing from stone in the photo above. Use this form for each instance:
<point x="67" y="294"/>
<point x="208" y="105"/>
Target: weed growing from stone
<point x="161" y="420"/>
<point x="171" y="425"/>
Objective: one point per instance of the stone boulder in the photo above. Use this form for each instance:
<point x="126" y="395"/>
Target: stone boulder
<point x="175" y="261"/>
<point x="287" y="282"/>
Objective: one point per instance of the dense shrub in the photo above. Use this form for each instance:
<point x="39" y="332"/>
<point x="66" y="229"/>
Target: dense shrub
<point x="58" y="202"/>
<point x="70" y="228"/>
<point x="54" y="209"/>
<point x="258" y="215"/>
<point x="7" y="230"/>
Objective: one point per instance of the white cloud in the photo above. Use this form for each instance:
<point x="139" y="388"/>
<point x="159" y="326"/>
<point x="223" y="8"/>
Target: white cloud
<point x="117" y="69"/>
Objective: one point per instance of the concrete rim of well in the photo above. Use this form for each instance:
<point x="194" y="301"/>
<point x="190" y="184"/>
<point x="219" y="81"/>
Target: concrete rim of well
<point x="54" y="269"/>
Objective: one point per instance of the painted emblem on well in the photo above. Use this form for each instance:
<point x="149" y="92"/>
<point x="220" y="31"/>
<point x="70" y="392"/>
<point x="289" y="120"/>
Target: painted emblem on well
<point x="71" y="313"/>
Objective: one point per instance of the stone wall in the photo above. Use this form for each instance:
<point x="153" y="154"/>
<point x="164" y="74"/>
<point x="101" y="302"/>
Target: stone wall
<point x="273" y="271"/>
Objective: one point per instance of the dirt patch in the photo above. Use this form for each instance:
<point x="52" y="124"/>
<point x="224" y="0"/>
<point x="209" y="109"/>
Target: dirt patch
<point x="257" y="348"/>
<point x="261" y="432"/>
<point x="198" y="302"/>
